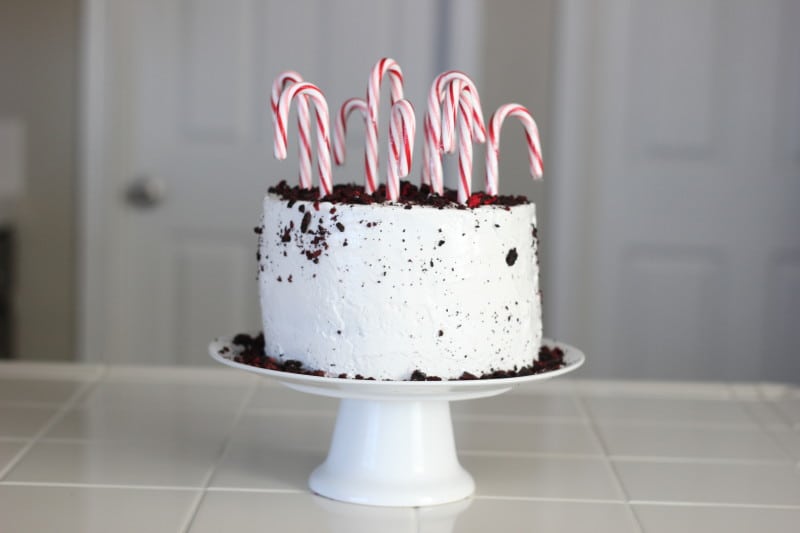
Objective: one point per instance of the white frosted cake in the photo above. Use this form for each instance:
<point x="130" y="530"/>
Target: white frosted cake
<point x="388" y="290"/>
<point x="389" y="280"/>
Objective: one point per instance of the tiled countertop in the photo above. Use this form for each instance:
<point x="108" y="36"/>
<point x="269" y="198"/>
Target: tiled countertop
<point x="89" y="448"/>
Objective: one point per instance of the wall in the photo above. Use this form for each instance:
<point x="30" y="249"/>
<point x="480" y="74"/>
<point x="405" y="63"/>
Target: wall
<point x="39" y="65"/>
<point x="523" y="31"/>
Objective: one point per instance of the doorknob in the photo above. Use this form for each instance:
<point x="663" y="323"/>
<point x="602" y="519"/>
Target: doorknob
<point x="145" y="192"/>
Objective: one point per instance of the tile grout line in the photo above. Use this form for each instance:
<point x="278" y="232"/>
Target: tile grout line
<point x="96" y="485"/>
<point x="581" y="402"/>
<point x="195" y="506"/>
<point x="54" y="419"/>
<point x="550" y="499"/>
<point x="665" y="459"/>
<point x="720" y="505"/>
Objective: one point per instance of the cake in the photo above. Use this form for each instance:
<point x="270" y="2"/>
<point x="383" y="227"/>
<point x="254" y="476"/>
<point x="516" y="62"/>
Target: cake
<point x="386" y="289"/>
<point x="399" y="281"/>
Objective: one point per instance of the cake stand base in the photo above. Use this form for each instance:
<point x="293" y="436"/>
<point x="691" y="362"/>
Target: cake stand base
<point x="393" y="453"/>
<point x="393" y="442"/>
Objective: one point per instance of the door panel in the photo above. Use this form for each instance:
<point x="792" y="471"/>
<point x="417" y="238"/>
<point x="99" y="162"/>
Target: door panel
<point x="188" y="85"/>
<point x="684" y="189"/>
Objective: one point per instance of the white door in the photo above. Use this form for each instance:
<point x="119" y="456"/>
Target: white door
<point x="677" y="188"/>
<point x="177" y="95"/>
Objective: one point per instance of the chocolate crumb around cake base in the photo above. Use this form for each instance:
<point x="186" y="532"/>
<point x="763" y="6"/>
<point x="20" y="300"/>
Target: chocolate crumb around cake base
<point x="252" y="353"/>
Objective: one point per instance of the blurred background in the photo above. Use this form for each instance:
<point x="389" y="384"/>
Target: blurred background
<point x="135" y="147"/>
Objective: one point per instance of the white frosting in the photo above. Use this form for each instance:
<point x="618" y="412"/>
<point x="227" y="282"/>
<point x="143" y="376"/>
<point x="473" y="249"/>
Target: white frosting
<point x="395" y="290"/>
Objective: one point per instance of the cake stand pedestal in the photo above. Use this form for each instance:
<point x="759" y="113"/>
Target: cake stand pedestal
<point x="393" y="442"/>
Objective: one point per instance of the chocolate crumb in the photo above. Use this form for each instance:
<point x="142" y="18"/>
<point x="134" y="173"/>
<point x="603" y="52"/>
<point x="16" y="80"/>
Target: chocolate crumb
<point x="441" y="333"/>
<point x="410" y="195"/>
<point x="305" y="223"/>
<point x="441" y="243"/>
<point x="511" y="257"/>
<point x="252" y="353"/>
<point x="258" y="230"/>
<point x="418" y="375"/>
<point x="340" y="226"/>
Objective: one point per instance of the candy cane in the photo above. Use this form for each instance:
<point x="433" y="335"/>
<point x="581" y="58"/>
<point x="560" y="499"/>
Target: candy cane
<point x="451" y="87"/>
<point x="383" y="67"/>
<point x="493" y="148"/>
<point x="340" y="129"/>
<point x="465" y="137"/>
<point x="456" y="88"/>
<point x="323" y="140"/>
<point x="402" y="130"/>
<point x="303" y="124"/>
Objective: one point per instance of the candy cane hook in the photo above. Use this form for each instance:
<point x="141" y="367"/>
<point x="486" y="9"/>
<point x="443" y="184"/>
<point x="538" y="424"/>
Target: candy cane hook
<point x="316" y="96"/>
<point x="493" y="146"/>
<point x="303" y="124"/>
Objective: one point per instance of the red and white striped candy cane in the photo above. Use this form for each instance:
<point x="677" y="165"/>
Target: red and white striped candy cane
<point x="402" y="130"/>
<point x="465" y="138"/>
<point x="340" y="129"/>
<point x="451" y="87"/>
<point x="455" y="87"/>
<point x="314" y="94"/>
<point x="381" y="68"/>
<point x="493" y="147"/>
<point x="303" y="124"/>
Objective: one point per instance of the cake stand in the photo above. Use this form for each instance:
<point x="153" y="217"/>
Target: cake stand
<point x="393" y="440"/>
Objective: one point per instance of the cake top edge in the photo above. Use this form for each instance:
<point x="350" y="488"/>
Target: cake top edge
<point x="410" y="195"/>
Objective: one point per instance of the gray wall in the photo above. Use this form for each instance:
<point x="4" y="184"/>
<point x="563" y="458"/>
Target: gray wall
<point x="518" y="67"/>
<point x="38" y="61"/>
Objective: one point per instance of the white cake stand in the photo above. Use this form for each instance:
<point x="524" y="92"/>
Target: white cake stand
<point x="393" y="441"/>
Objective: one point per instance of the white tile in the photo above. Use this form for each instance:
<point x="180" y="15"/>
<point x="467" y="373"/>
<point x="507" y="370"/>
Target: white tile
<point x="697" y="443"/>
<point x="23" y="421"/>
<point x="177" y="463"/>
<point x="197" y="375"/>
<point x="259" y="511"/>
<point x="45" y="370"/>
<point x="8" y="449"/>
<point x="789" y="408"/>
<point x="515" y="406"/>
<point x="700" y="519"/>
<point x="164" y="394"/>
<point x="274" y="452"/>
<point x="759" y="484"/>
<point x="571" y="438"/>
<point x="275" y="397"/>
<point x="92" y="510"/>
<point x="37" y="391"/>
<point x="542" y="477"/>
<point x="286" y="430"/>
<point x="654" y="389"/>
<point x="669" y="411"/>
<point x="136" y="424"/>
<point x="789" y="440"/>
<point x="486" y="515"/>
<point x="766" y="414"/>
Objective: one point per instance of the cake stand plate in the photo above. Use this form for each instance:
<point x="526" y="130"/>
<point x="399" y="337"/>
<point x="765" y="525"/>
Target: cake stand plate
<point x="393" y="441"/>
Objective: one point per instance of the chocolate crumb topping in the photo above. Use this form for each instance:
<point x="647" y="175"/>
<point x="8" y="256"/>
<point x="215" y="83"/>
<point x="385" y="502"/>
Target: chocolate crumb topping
<point x="511" y="257"/>
<point x="252" y="353"/>
<point x="410" y="195"/>
<point x="306" y="221"/>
